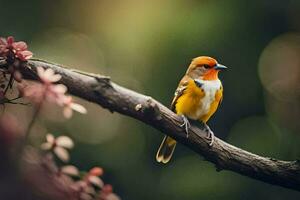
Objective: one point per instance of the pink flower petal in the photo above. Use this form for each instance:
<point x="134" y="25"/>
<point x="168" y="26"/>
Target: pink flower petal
<point x="10" y="40"/>
<point x="40" y="71"/>
<point x="68" y="112"/>
<point x="54" y="78"/>
<point x="96" y="171"/>
<point x="70" y="170"/>
<point x="46" y="146"/>
<point x="48" y="73"/>
<point x="34" y="91"/>
<point x="64" y="141"/>
<point x="59" y="88"/>
<point x="79" y="108"/>
<point x="19" y="46"/>
<point x="62" y="153"/>
<point x="50" y="138"/>
<point x="95" y="180"/>
<point x="24" y="55"/>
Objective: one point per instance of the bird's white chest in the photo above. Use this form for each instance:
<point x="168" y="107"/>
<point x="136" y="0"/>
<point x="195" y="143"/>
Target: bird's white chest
<point x="210" y="88"/>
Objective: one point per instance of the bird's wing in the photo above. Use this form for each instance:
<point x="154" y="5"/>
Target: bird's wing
<point x="221" y="96"/>
<point x="179" y="91"/>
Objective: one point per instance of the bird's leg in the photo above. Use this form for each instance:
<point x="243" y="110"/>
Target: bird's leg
<point x="210" y="134"/>
<point x="186" y="124"/>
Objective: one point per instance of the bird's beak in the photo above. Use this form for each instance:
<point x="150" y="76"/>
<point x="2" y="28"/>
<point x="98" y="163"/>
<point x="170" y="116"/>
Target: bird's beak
<point x="220" y="67"/>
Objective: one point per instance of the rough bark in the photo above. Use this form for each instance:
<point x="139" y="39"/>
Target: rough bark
<point x="101" y="90"/>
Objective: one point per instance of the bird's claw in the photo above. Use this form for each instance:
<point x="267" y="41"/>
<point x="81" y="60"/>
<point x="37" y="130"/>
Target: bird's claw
<point x="210" y="134"/>
<point x="186" y="124"/>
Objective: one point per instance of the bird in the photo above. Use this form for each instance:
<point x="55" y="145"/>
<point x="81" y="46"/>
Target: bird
<point x="197" y="97"/>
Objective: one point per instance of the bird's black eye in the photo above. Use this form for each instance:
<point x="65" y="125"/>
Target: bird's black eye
<point x="206" y="66"/>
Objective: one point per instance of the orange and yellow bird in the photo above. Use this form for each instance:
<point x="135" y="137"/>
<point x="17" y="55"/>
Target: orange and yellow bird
<point x="197" y="97"/>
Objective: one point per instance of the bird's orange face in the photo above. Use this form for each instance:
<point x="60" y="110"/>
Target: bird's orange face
<point x="205" y="67"/>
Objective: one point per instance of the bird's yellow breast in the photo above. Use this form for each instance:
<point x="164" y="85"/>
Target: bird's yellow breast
<point x="200" y="103"/>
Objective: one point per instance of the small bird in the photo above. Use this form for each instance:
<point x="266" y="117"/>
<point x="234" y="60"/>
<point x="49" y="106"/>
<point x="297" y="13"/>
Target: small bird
<point x="197" y="97"/>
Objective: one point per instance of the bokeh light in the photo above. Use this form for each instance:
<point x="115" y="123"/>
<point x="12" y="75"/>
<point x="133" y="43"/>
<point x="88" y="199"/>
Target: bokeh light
<point x="279" y="70"/>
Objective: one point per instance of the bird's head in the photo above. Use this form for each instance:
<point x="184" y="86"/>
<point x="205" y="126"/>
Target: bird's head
<point x="205" y="68"/>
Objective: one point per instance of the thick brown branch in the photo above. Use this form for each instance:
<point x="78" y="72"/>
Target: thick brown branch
<point x="101" y="90"/>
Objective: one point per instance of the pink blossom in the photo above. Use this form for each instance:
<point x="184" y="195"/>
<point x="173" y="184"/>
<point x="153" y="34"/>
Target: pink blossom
<point x="69" y="106"/>
<point x="47" y="76"/>
<point x="38" y="93"/>
<point x="53" y="93"/>
<point x="10" y="48"/>
<point x="92" y="177"/>
<point x="96" y="171"/>
<point x="34" y="91"/>
<point x="59" y="146"/>
<point x="70" y="170"/>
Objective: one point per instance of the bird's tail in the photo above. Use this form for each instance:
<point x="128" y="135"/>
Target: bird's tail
<point x="166" y="150"/>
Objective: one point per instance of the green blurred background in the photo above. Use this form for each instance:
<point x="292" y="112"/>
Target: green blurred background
<point x="147" y="46"/>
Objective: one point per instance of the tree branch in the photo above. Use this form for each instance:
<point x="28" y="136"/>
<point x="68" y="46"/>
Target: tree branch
<point x="101" y="90"/>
